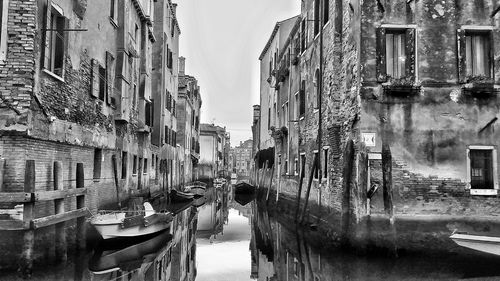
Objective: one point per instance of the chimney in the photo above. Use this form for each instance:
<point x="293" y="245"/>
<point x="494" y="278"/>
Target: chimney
<point x="182" y="66"/>
<point x="256" y="113"/>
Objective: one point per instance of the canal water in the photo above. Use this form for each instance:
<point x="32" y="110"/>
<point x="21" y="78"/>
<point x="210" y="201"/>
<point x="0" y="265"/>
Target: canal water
<point x="223" y="238"/>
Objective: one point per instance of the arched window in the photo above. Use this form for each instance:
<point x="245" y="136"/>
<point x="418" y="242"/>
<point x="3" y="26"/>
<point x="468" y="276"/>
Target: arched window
<point x="302" y="97"/>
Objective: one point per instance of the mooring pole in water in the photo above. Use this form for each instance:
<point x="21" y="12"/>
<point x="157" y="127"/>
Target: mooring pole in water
<point x="270" y="182"/>
<point x="387" y="190"/>
<point x="302" y="174"/>
<point x="387" y="179"/>
<point x="311" y="176"/>
<point x="346" y="189"/>
<point x="117" y="186"/>
<point x="80" y="203"/>
<point x="60" y="246"/>
<point x="26" y="263"/>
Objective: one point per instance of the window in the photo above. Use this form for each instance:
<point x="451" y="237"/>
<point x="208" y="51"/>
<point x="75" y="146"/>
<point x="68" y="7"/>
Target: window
<point x="139" y="166"/>
<point x="326" y="11"/>
<point x="4" y="10"/>
<point x="302" y="162"/>
<point x="102" y="83"/>
<point x="148" y="111"/>
<point x="477" y="47"/>
<point x="167" y="139"/>
<point x="113" y="11"/>
<point x="482" y="170"/>
<point x="124" y="164"/>
<point x="302" y="97"/>
<point x="269" y="118"/>
<point x="286" y="166"/>
<point x="173" y="107"/>
<point x="97" y="163"/>
<point x="395" y="53"/>
<point x="316" y="171"/>
<point x="53" y="56"/>
<point x="303" y="35"/>
<point x="145" y="170"/>
<point x="325" y="163"/>
<point x="134" y="165"/>
<point x="316" y="17"/>
<point x="136" y="32"/>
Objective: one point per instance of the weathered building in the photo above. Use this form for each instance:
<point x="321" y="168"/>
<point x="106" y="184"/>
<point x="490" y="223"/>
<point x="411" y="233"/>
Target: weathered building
<point x="165" y="94"/>
<point x="214" y="151"/>
<point x="188" y="122"/>
<point x="399" y="95"/>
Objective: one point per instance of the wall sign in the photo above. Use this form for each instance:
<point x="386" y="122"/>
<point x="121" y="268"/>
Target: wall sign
<point x="368" y="139"/>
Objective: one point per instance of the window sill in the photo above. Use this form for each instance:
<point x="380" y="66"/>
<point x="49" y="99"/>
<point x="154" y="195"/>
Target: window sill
<point x="96" y="180"/>
<point x="113" y="22"/>
<point x="483" y="191"/>
<point x="53" y="75"/>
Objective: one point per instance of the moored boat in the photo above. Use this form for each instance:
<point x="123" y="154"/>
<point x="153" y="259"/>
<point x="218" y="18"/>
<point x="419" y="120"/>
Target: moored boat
<point x="115" y="224"/>
<point x="179" y="196"/>
<point x="486" y="244"/>
<point x="244" y="198"/>
<point x="197" y="190"/>
<point x="243" y="187"/>
<point x="105" y="261"/>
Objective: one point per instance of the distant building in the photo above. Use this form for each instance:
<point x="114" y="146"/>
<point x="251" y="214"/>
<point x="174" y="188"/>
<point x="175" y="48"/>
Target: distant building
<point x="188" y="122"/>
<point x="242" y="158"/>
<point x="214" y="151"/>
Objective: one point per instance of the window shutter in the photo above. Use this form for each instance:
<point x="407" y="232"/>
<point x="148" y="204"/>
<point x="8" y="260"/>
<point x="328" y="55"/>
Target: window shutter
<point x="94" y="79"/>
<point x="110" y="75"/>
<point x="410" y="53"/>
<point x="492" y="58"/>
<point x="462" y="66"/>
<point x="381" y="60"/>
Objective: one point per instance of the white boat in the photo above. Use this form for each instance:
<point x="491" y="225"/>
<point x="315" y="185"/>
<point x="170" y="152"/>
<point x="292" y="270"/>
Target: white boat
<point x="115" y="224"/>
<point x="486" y="244"/>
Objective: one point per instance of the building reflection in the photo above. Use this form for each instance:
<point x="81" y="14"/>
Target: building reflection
<point x="214" y="214"/>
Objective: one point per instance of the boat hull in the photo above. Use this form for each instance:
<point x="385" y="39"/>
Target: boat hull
<point x="178" y="196"/>
<point x="243" y="188"/>
<point x="485" y="244"/>
<point x="115" y="230"/>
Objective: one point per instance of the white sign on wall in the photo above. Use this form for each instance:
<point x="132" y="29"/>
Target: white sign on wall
<point x="368" y="139"/>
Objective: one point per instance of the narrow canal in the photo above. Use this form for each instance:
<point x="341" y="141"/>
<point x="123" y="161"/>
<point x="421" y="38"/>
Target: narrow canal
<point x="223" y="238"/>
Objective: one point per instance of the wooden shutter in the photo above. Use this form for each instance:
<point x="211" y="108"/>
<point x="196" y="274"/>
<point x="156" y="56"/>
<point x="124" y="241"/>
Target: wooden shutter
<point x="492" y="58"/>
<point x="410" y="54"/>
<point x="462" y="64"/>
<point x="110" y="77"/>
<point x="94" y="78"/>
<point x="381" y="60"/>
<point x="334" y="139"/>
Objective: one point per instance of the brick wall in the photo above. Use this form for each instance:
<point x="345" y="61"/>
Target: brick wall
<point x="16" y="72"/>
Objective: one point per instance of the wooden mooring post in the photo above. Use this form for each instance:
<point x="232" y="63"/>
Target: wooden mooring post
<point x="308" y="192"/>
<point x="299" y="192"/>
<point x="2" y="170"/>
<point x="61" y="245"/>
<point x="26" y="263"/>
<point x="80" y="204"/>
<point x="346" y="190"/>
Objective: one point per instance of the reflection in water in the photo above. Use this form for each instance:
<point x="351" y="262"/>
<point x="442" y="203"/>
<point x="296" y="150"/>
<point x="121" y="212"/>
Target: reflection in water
<point x="221" y="238"/>
<point x="280" y="251"/>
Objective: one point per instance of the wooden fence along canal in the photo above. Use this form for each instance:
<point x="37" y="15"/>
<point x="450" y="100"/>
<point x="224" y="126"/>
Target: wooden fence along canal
<point x="29" y="224"/>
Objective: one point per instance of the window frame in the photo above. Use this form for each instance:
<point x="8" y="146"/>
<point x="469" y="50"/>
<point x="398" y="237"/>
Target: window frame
<point x="316" y="157"/>
<point x="326" y="157"/>
<point x="50" y="9"/>
<point x="475" y="191"/>
<point x="4" y="22"/>
<point x="411" y="51"/>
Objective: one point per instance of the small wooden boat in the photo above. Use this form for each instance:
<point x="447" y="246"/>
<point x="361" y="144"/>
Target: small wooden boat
<point x="244" y="198"/>
<point x="115" y="224"/>
<point x="179" y="196"/>
<point x="486" y="244"/>
<point x="129" y="257"/>
<point x="243" y="187"/>
<point x="197" y="190"/>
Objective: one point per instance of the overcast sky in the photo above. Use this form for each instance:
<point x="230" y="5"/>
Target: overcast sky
<point x="222" y="41"/>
